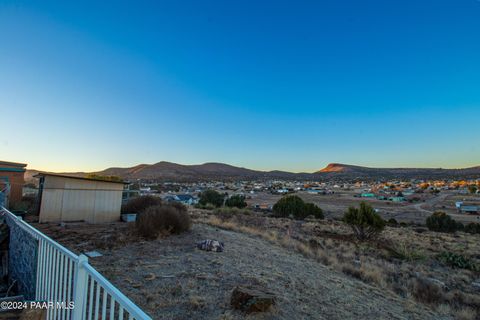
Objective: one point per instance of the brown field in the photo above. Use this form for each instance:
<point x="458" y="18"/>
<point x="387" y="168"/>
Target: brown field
<point x="336" y="204"/>
<point x="316" y="269"/>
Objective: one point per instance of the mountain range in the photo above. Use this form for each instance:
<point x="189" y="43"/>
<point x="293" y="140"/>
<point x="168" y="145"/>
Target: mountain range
<point x="168" y="171"/>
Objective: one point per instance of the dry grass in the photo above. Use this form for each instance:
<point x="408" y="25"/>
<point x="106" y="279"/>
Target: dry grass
<point x="163" y="220"/>
<point x="403" y="261"/>
<point x="466" y="314"/>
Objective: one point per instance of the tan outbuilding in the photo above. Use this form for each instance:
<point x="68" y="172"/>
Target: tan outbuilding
<point x="66" y="198"/>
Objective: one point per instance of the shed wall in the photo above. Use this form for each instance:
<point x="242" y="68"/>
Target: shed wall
<point x="68" y="199"/>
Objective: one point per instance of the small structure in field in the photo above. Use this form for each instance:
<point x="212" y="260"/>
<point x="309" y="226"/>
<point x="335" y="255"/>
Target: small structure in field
<point x="11" y="182"/>
<point x="66" y="198"/>
<point x="469" y="209"/>
<point x="367" y="195"/>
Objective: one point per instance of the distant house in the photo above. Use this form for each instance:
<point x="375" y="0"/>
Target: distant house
<point x="469" y="209"/>
<point x="316" y="191"/>
<point x="186" y="199"/>
<point x="397" y="199"/>
<point x="11" y="182"/>
<point x="367" y="195"/>
<point x="67" y="198"/>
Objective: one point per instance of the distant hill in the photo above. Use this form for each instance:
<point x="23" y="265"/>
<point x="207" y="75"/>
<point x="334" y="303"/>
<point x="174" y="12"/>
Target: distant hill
<point x="340" y="170"/>
<point x="168" y="171"/>
<point x="172" y="171"/>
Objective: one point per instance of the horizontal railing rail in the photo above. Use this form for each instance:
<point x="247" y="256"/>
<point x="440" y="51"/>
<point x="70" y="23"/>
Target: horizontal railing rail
<point x="75" y="288"/>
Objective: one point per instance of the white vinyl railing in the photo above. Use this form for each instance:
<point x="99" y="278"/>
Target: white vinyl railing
<point x="75" y="290"/>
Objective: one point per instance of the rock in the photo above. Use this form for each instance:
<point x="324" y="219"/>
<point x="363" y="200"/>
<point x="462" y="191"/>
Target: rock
<point x="211" y="245"/>
<point x="252" y="299"/>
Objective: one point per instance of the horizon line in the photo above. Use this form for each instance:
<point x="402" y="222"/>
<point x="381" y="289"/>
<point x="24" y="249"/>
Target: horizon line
<point x="259" y="169"/>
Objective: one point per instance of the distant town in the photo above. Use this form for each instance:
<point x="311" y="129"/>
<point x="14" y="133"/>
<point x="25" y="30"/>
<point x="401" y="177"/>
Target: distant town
<point x="406" y="199"/>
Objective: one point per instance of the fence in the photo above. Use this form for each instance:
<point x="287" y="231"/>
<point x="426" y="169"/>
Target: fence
<point x="74" y="289"/>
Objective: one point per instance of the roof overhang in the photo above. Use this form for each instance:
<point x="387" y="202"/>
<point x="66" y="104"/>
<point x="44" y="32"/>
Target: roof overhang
<point x="47" y="174"/>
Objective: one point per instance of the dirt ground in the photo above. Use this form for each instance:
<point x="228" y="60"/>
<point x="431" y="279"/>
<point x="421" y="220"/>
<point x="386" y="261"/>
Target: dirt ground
<point x="171" y="279"/>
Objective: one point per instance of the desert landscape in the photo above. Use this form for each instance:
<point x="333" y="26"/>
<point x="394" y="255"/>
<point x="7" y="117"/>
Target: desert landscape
<point x="228" y="160"/>
<point x="315" y="269"/>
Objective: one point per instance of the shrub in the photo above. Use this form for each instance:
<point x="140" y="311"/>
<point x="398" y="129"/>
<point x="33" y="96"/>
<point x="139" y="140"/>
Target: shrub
<point x="28" y="204"/>
<point x="178" y="205"/>
<point x="139" y="204"/>
<point x="426" y="291"/>
<point x="364" y="222"/>
<point x="441" y="222"/>
<point x="472" y="188"/>
<point x="312" y="209"/>
<point x="162" y="220"/>
<point x="211" y="197"/>
<point x="294" y="205"/>
<point x="392" y="222"/>
<point x="227" y="212"/>
<point x="237" y="201"/>
<point x="457" y="261"/>
<point x="403" y="252"/>
<point x="289" y="205"/>
<point x="472" y="227"/>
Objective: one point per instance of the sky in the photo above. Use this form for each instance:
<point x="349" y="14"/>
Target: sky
<point x="287" y="85"/>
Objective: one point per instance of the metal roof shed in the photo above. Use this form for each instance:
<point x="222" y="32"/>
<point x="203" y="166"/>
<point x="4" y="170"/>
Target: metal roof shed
<point x="66" y="198"/>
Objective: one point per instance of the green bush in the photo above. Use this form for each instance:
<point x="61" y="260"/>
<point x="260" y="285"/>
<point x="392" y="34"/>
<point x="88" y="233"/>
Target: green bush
<point x="364" y="221"/>
<point x="237" y="201"/>
<point x="162" y="220"/>
<point x="457" y="261"/>
<point x="472" y="188"/>
<point x="211" y="197"/>
<point x="140" y="204"/>
<point x="313" y="210"/>
<point x="441" y="222"/>
<point x="295" y="206"/>
<point x="472" y="227"/>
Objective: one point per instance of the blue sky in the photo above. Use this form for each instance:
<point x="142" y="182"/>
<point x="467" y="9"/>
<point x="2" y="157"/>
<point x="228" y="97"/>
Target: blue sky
<point x="285" y="85"/>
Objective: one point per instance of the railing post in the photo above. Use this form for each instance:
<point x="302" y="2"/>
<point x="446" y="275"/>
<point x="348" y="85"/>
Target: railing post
<point x="80" y="288"/>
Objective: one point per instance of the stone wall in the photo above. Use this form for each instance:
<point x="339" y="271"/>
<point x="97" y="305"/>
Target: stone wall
<point x="22" y="260"/>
